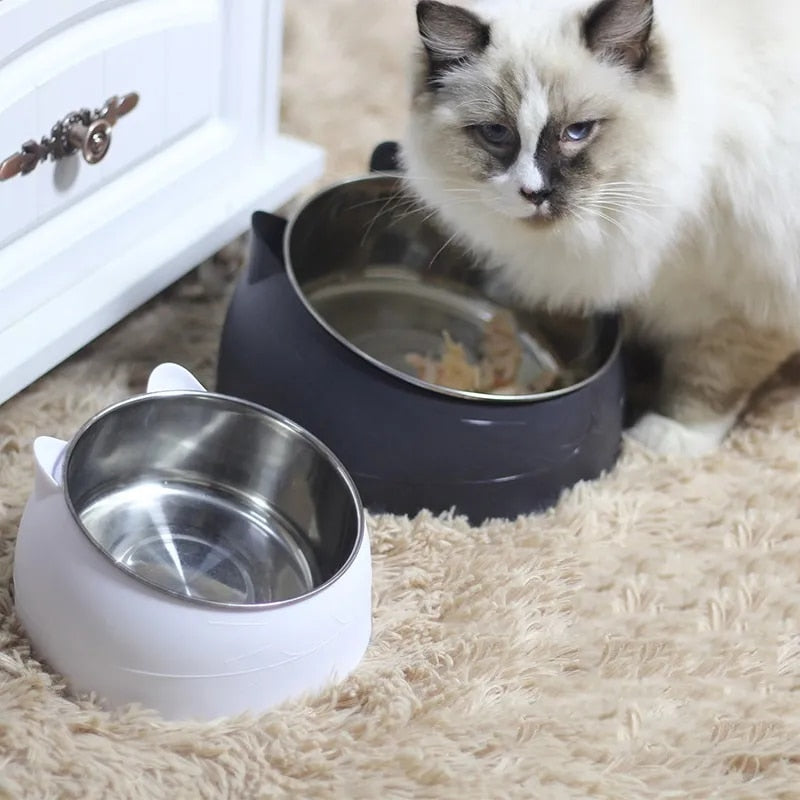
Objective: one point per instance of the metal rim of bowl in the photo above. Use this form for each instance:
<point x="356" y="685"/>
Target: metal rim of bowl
<point x="404" y="376"/>
<point x="293" y="427"/>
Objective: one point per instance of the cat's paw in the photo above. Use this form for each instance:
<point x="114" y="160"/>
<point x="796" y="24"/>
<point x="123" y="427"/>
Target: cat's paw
<point x="669" y="437"/>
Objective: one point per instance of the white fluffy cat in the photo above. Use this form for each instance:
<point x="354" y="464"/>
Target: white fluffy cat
<point x="634" y="154"/>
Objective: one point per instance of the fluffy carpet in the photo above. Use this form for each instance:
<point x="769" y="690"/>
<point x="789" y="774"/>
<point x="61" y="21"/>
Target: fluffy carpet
<point x="639" y="641"/>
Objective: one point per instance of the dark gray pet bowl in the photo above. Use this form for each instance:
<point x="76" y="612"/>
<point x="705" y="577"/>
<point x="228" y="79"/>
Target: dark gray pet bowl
<point x="297" y="339"/>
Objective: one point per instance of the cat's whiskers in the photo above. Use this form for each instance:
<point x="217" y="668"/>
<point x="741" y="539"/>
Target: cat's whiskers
<point x="421" y="208"/>
<point x="627" y="200"/>
<point x="622" y="192"/>
<point x="387" y="200"/>
<point x="411" y="206"/>
<point x="607" y="213"/>
<point x="432" y="213"/>
<point x="628" y="191"/>
<point x="386" y="208"/>
<point x="412" y="178"/>
<point x="620" y="204"/>
<point x="620" y="199"/>
<point x="398" y="200"/>
<point x="611" y="220"/>
<point x="633" y="184"/>
<point x="475" y="103"/>
<point x="624" y="206"/>
<point x="637" y="185"/>
<point x="475" y="113"/>
<point x="441" y="250"/>
<point x="576" y="214"/>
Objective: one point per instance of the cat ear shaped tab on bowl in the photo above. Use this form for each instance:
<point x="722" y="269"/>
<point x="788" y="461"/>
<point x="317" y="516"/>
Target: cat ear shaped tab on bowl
<point x="48" y="456"/>
<point x="170" y="377"/>
<point x="386" y="158"/>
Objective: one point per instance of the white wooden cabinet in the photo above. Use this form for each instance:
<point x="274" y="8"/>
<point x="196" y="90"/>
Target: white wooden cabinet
<point x="82" y="245"/>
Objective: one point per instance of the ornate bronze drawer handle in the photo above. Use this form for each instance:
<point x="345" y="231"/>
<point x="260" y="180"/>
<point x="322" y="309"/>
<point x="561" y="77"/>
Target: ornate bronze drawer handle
<point x="86" y="131"/>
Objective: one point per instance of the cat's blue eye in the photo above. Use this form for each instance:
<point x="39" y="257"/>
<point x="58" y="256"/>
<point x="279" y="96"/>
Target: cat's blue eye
<point x="579" y="131"/>
<point x="497" y="135"/>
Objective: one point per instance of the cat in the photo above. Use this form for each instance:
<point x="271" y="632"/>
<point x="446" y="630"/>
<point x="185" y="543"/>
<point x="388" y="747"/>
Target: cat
<point x="632" y="155"/>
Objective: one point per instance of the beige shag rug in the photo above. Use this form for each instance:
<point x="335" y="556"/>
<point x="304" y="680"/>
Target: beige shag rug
<point x="639" y="641"/>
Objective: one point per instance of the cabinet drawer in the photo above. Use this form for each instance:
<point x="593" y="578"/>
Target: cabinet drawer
<point x="81" y="244"/>
<point x="168" y="51"/>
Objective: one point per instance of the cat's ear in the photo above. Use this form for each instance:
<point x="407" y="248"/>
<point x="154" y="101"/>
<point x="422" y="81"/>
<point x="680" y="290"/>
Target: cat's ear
<point x="619" y="31"/>
<point x="450" y="33"/>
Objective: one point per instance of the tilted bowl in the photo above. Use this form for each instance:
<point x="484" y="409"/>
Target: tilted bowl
<point x="195" y="553"/>
<point x="332" y="300"/>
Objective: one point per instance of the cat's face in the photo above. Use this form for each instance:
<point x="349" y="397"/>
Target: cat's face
<point x="537" y="110"/>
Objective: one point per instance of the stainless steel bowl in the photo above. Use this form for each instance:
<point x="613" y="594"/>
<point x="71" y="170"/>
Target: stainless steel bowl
<point x="319" y="326"/>
<point x="212" y="499"/>
<point x="379" y="275"/>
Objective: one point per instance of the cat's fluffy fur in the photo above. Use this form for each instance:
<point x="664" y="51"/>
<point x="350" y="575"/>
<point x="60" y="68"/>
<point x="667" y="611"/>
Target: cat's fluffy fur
<point x="686" y="210"/>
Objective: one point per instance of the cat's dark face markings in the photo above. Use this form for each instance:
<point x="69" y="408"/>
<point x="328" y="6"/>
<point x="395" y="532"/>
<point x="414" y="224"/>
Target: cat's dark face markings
<point x="555" y="171"/>
<point x="561" y="173"/>
<point x="533" y="133"/>
<point x="498" y="110"/>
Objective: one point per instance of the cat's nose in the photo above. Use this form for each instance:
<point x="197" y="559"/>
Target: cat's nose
<point x="536" y="196"/>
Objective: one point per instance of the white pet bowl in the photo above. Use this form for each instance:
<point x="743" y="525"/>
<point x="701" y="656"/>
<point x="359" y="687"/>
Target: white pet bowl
<point x="194" y="553"/>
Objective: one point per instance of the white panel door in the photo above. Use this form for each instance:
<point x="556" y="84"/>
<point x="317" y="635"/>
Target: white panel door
<point x="167" y="51"/>
<point x="82" y="245"/>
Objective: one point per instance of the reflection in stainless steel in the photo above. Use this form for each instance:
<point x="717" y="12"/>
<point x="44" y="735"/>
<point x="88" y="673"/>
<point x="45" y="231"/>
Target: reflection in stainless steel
<point x="389" y="313"/>
<point x="386" y="281"/>
<point x="212" y="499"/>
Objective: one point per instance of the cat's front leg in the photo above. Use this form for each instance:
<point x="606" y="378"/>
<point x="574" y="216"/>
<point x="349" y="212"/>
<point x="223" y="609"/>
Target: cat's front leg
<point x="707" y="381"/>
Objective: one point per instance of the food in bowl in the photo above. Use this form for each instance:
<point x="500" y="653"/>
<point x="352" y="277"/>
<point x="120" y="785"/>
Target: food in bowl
<point x="495" y="372"/>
